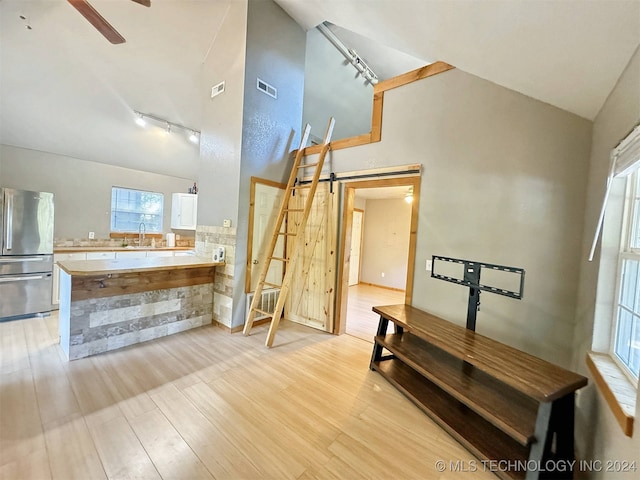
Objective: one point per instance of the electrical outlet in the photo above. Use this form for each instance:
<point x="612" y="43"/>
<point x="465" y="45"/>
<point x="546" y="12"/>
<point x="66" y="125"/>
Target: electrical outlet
<point x="92" y="235"/>
<point x="428" y="265"/>
<point x="226" y="223"/>
<point x="382" y="274"/>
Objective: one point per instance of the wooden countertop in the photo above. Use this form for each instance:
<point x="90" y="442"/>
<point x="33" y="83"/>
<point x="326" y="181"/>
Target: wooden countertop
<point x="116" y="249"/>
<point x="133" y="265"/>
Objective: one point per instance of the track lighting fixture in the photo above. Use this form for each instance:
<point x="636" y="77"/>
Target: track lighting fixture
<point x="350" y="54"/>
<point x="140" y="120"/>
<point x="194" y="135"/>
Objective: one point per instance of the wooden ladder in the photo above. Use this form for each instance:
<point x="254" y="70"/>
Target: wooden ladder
<point x="297" y="237"/>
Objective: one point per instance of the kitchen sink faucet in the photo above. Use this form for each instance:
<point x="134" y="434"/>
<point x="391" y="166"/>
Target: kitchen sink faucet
<point x="142" y="228"/>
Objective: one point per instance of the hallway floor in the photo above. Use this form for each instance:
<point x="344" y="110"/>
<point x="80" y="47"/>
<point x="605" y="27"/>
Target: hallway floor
<point x="362" y="322"/>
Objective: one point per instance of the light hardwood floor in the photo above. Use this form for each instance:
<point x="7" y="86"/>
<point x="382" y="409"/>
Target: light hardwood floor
<point x="362" y="322"/>
<point x="205" y="404"/>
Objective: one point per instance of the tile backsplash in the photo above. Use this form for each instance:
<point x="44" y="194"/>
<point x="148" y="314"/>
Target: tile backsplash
<point x="129" y="239"/>
<point x="208" y="238"/>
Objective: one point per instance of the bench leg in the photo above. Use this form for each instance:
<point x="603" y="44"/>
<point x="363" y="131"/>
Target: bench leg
<point x="554" y="434"/>
<point x="377" y="348"/>
<point x="562" y="424"/>
<point x="540" y="448"/>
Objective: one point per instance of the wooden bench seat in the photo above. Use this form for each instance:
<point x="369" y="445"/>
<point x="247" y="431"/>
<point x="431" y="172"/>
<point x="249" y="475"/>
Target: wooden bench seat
<point x="499" y="402"/>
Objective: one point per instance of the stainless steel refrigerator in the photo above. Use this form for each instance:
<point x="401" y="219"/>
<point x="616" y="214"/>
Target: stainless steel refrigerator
<point x="26" y="258"/>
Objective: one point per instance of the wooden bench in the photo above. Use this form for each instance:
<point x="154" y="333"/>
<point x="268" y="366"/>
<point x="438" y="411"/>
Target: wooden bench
<point x="502" y="404"/>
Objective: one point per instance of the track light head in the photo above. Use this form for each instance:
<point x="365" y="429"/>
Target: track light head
<point x="140" y="119"/>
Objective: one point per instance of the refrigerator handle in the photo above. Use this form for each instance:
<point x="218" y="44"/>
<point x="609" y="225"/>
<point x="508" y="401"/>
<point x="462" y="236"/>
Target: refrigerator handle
<point x="9" y="232"/>
<point x="20" y="279"/>
<point x="21" y="259"/>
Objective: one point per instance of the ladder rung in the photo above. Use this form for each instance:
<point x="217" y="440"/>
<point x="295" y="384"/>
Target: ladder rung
<point x="269" y="314"/>
<point x="294" y="210"/>
<point x="289" y="234"/>
<point x="297" y="187"/>
<point x="308" y="165"/>
<point x="279" y="258"/>
<point x="274" y="285"/>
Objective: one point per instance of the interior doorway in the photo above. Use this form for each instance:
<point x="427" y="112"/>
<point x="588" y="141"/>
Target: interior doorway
<point x="377" y="254"/>
<point x="265" y="199"/>
<point x="355" y="252"/>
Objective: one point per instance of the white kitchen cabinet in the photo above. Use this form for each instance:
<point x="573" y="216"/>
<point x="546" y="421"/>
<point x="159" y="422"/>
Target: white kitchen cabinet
<point x="160" y="253"/>
<point x="184" y="211"/>
<point x="101" y="255"/>
<point x="184" y="253"/>
<point x="62" y="257"/>
<point x="132" y="254"/>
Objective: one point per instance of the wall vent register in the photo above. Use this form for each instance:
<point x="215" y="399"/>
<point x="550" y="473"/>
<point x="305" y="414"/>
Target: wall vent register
<point x="264" y="87"/>
<point x="217" y="89"/>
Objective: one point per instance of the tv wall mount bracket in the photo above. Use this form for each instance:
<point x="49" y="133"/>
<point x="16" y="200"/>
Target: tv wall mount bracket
<point x="471" y="279"/>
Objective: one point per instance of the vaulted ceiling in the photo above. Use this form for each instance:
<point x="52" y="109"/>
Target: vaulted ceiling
<point x="568" y="53"/>
<point x="65" y="89"/>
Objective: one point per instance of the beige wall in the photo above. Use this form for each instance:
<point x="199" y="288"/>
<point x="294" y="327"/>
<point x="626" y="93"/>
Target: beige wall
<point x="270" y="127"/>
<point x="598" y="434"/>
<point x="504" y="179"/>
<point x="221" y="137"/>
<point x="246" y="133"/>
<point x="331" y="89"/>
<point x="82" y="189"/>
<point x="385" y="247"/>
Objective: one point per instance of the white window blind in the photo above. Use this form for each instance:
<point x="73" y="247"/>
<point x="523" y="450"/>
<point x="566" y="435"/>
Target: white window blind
<point x="625" y="158"/>
<point x="132" y="208"/>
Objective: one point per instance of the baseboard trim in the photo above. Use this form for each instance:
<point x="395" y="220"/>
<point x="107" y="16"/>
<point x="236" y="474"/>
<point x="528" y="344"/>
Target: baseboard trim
<point x="239" y="328"/>
<point x="382" y="286"/>
<point x="227" y="329"/>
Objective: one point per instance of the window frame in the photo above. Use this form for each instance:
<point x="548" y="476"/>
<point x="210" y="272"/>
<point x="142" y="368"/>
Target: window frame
<point x="626" y="252"/>
<point x="136" y="231"/>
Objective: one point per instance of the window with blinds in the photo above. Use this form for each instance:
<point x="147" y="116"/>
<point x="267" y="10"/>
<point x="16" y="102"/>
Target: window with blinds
<point x="626" y="325"/>
<point x="132" y="208"/>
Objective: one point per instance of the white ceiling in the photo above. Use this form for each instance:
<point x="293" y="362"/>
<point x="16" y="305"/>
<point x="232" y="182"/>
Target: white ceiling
<point x="65" y="89"/>
<point x="568" y="53"/>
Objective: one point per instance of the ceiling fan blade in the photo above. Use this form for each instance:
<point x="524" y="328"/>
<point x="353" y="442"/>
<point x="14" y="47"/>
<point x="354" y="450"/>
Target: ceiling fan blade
<point x="146" y="3"/>
<point x="97" y="20"/>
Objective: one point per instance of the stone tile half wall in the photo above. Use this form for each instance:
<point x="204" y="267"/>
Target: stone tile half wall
<point x="103" y="324"/>
<point x="208" y="238"/>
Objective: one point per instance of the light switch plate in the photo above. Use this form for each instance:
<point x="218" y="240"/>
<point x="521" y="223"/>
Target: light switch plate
<point x="92" y="235"/>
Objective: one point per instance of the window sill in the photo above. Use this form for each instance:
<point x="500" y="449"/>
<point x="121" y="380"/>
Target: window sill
<point x="617" y="390"/>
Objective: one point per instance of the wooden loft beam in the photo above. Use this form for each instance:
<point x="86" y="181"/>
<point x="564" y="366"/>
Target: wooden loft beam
<point x="378" y="100"/>
<point x="412" y="76"/>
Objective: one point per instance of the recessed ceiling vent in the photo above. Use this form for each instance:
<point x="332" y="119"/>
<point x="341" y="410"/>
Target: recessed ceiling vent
<point x="264" y="87"/>
<point x="217" y="89"/>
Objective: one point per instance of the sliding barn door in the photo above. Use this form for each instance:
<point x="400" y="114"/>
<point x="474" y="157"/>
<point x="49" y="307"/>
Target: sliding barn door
<point x="311" y="301"/>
